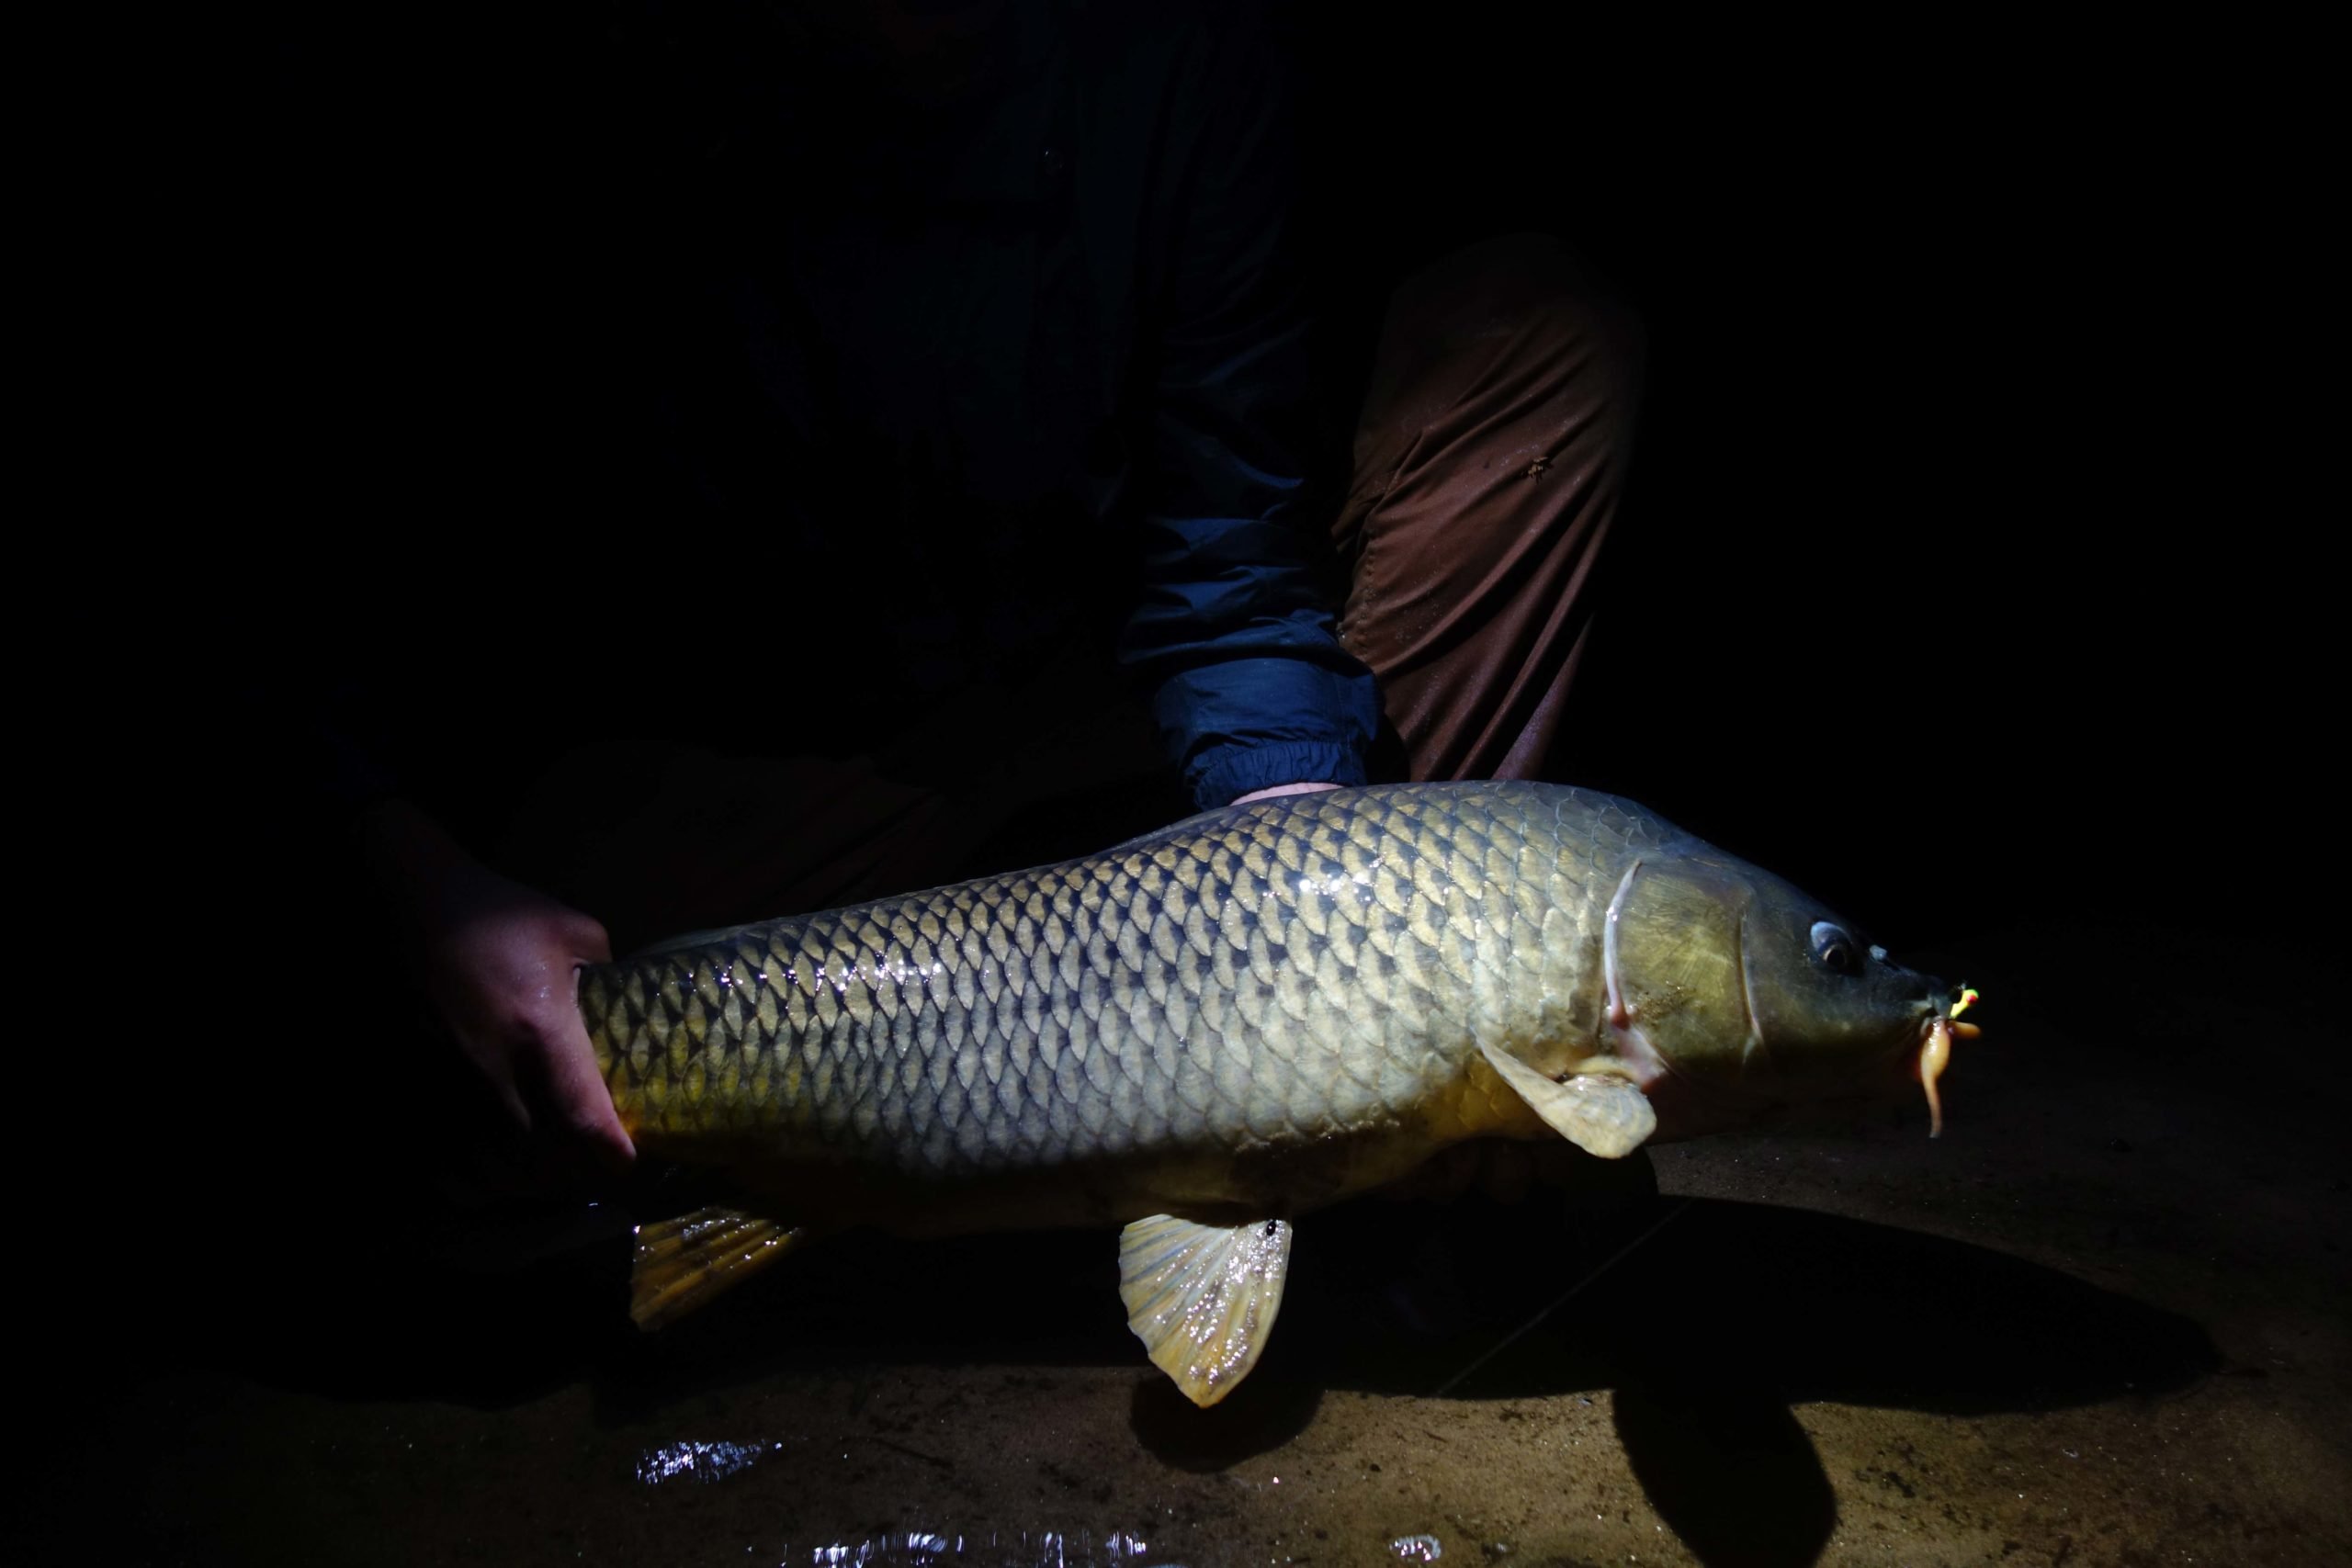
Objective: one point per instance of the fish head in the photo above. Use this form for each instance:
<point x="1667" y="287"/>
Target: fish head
<point x="1730" y="991"/>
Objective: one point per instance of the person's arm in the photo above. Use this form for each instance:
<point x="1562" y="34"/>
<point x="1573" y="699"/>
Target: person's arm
<point x="1234" y="633"/>
<point x="331" y="777"/>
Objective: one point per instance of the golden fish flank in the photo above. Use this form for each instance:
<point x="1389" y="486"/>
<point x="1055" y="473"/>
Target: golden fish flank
<point x="1228" y="1023"/>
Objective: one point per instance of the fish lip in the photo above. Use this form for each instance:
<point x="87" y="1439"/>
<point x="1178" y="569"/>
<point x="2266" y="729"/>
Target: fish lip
<point x="1937" y="1005"/>
<point x="1940" y="1005"/>
<point x="1908" y="1041"/>
<point x="1933" y="1009"/>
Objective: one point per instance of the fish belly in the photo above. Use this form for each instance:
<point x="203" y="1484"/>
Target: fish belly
<point x="1266" y="1007"/>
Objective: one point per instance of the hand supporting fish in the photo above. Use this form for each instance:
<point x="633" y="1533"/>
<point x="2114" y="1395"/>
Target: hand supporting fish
<point x="1203" y="1033"/>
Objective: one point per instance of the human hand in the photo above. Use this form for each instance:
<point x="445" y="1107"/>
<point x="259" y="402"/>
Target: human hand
<point x="500" y="964"/>
<point x="1271" y="791"/>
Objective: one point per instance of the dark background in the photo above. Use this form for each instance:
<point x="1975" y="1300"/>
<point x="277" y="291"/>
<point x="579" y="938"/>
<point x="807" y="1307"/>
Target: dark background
<point x="1977" y="570"/>
<point x="1961" y="573"/>
<point x="1960" y="579"/>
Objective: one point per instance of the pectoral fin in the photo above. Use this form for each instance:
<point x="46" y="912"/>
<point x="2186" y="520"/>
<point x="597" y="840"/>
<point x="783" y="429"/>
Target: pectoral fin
<point x="1600" y="1113"/>
<point x="1202" y="1298"/>
<point x="683" y="1263"/>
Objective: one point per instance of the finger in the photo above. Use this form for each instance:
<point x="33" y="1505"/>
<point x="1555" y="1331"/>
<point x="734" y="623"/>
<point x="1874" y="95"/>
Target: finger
<point x="581" y="1099"/>
<point x="586" y="937"/>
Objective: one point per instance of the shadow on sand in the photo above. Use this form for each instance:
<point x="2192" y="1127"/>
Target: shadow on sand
<point x="1707" y="1331"/>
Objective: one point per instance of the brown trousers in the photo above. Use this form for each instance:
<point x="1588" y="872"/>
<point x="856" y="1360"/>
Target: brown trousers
<point x="1489" y="459"/>
<point x="1488" y="462"/>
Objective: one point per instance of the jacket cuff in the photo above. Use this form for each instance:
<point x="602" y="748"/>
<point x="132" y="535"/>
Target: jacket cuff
<point x="1218" y="776"/>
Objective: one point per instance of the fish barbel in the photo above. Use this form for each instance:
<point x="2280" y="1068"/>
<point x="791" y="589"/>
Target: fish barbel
<point x="1202" y="1034"/>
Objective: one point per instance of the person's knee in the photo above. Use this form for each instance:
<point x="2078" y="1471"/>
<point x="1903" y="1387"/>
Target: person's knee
<point x="1541" y="296"/>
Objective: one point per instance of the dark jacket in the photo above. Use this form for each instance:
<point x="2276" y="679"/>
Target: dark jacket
<point x="1021" y="360"/>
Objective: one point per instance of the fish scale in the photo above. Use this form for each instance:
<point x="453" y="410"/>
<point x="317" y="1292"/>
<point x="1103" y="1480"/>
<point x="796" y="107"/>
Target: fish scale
<point x="1261" y="981"/>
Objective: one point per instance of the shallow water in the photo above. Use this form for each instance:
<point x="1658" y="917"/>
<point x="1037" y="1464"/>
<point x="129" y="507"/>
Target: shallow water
<point x="2098" y="1322"/>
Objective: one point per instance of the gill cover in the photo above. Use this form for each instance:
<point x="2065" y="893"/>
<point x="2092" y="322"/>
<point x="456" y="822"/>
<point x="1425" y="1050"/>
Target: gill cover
<point x="1670" y="968"/>
<point x="1722" y="972"/>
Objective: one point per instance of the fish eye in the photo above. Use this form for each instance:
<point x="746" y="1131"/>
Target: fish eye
<point x="1835" y="948"/>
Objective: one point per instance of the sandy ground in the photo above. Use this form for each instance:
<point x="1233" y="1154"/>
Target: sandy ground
<point x="2099" y="1322"/>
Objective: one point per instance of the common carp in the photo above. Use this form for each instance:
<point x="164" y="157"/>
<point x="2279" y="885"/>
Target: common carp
<point x="1203" y="1033"/>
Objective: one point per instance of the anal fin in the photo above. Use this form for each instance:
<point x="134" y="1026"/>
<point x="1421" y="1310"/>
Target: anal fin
<point x="1202" y="1298"/>
<point x="682" y="1263"/>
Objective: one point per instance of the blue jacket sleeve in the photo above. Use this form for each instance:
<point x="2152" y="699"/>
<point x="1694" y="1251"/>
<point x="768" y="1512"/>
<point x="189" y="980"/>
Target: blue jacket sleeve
<point x="1234" y="634"/>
